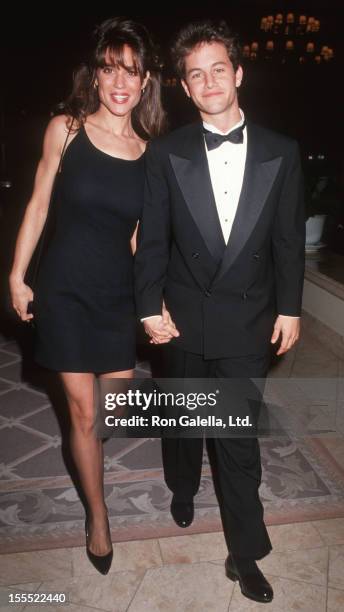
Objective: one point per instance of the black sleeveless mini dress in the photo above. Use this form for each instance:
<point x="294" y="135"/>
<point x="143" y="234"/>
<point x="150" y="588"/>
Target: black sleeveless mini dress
<point x="84" y="298"/>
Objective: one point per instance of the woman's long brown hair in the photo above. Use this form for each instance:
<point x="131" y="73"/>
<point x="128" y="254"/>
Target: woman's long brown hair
<point x="148" y="117"/>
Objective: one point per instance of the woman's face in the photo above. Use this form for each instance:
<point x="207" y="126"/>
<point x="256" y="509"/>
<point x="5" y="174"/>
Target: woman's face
<point x="119" y="87"/>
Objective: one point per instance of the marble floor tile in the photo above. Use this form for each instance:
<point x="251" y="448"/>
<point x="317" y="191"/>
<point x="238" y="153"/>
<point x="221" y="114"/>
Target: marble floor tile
<point x="304" y="368"/>
<point x="340" y="411"/>
<point x="341" y="373"/>
<point x="305" y="565"/>
<point x="5" y="605"/>
<point x="331" y="530"/>
<point x="335" y="447"/>
<point x="27" y="587"/>
<point x="200" y="587"/>
<point x="289" y="595"/>
<point x="60" y="608"/>
<point x="336" y="567"/>
<point x="294" y="536"/>
<point x="309" y="346"/>
<point x="12" y="372"/>
<point x="35" y="566"/>
<point x="11" y="346"/>
<point x="193" y="548"/>
<point x="132" y="556"/>
<point x="4" y="387"/>
<point x="136" y="555"/>
<point x="335" y="600"/>
<point x="281" y="371"/>
<point x="111" y="593"/>
<point x="315" y="352"/>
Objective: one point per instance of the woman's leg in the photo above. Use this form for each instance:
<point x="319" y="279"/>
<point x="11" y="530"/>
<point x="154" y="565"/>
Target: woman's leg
<point x="121" y="374"/>
<point x="87" y="452"/>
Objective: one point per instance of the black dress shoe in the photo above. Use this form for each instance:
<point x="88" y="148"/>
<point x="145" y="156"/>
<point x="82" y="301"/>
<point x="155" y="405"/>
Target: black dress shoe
<point x="182" y="512"/>
<point x="102" y="563"/>
<point x="252" y="584"/>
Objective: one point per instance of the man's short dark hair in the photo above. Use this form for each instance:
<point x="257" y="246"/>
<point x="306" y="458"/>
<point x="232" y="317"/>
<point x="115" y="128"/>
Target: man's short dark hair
<point x="206" y="31"/>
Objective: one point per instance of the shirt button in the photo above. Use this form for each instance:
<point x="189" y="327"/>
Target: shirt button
<point x="226" y="192"/>
<point x="256" y="256"/>
<point x="244" y="296"/>
<point x="207" y="293"/>
<point x="226" y="163"/>
<point x="226" y="220"/>
<point x="195" y="255"/>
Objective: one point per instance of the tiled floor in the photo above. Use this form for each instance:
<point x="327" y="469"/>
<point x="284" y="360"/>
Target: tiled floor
<point x="186" y="573"/>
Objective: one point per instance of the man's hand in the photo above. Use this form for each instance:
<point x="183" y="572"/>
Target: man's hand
<point x="161" y="328"/>
<point x="289" y="327"/>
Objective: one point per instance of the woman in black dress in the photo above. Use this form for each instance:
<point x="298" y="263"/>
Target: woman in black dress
<point x="83" y="302"/>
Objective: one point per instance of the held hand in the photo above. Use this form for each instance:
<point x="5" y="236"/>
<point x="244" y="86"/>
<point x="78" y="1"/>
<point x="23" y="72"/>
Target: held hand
<point x="161" y="328"/>
<point x="155" y="328"/>
<point x="168" y="323"/>
<point x="289" y="327"/>
<point x="21" y="295"/>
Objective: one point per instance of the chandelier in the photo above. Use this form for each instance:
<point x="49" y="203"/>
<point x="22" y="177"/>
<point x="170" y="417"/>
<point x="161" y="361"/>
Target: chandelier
<point x="287" y="39"/>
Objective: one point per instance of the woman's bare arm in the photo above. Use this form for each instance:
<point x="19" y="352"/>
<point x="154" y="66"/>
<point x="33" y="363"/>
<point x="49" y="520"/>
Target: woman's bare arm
<point x="36" y="214"/>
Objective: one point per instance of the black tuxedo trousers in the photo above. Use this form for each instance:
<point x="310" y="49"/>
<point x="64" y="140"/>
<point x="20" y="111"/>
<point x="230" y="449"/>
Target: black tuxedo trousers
<point x="237" y="466"/>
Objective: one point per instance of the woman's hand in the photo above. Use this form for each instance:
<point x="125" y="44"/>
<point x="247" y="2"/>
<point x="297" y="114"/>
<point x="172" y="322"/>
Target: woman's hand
<point x="21" y="295"/>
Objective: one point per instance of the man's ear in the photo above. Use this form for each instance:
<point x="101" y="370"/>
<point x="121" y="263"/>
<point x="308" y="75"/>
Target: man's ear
<point x="238" y="76"/>
<point x="185" y="87"/>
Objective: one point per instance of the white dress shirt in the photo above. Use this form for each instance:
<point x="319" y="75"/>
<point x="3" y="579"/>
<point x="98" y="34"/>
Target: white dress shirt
<point x="226" y="167"/>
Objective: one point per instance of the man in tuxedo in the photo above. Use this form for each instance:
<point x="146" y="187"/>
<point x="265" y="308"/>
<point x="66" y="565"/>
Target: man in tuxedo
<point x="219" y="273"/>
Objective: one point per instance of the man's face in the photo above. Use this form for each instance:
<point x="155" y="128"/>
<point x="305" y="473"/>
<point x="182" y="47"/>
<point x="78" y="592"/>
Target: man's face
<point x="210" y="80"/>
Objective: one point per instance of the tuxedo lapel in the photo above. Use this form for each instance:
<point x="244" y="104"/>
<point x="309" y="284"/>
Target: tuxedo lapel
<point x="259" y="175"/>
<point x="190" y="166"/>
<point x="192" y="173"/>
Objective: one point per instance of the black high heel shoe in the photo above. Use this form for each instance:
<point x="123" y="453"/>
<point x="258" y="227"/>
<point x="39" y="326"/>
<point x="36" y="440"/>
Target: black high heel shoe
<point x="102" y="563"/>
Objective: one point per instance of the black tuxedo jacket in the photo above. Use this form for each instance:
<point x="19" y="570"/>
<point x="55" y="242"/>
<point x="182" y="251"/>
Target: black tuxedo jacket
<point x="222" y="298"/>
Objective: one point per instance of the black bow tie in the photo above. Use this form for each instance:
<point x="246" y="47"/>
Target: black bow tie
<point x="215" y="140"/>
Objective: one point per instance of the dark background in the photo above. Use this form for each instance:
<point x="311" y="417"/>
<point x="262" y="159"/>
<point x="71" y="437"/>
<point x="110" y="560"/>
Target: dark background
<point x="41" y="48"/>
